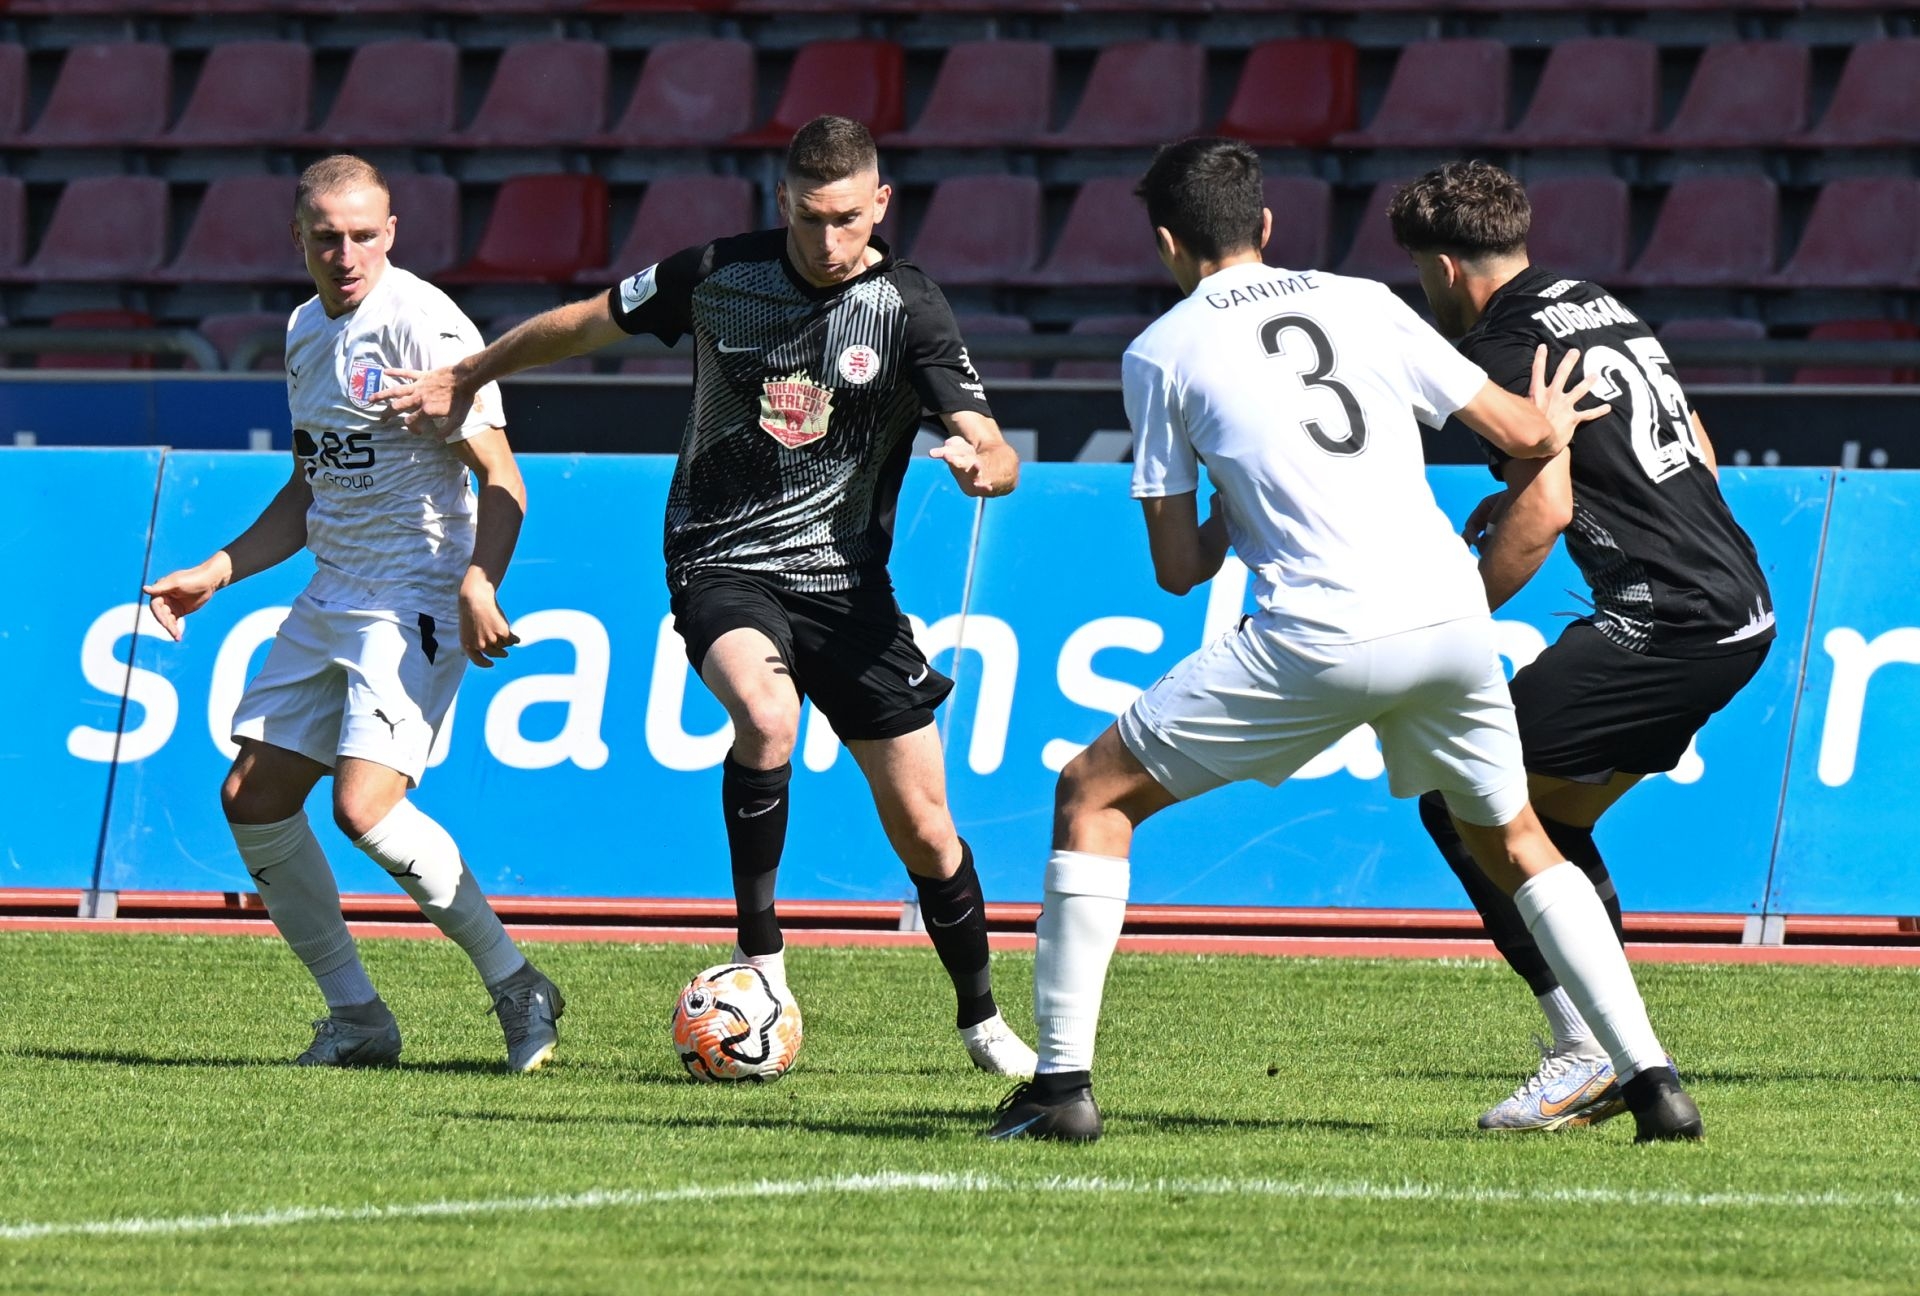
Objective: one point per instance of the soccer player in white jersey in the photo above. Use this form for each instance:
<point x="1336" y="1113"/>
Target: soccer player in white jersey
<point x="1300" y="391"/>
<point x="407" y="562"/>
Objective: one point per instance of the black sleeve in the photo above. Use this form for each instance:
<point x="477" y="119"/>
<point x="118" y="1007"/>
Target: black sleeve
<point x="936" y="359"/>
<point x="1508" y="360"/>
<point x="659" y="299"/>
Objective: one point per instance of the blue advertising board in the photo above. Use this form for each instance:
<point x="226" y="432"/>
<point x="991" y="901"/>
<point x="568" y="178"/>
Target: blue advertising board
<point x="587" y="763"/>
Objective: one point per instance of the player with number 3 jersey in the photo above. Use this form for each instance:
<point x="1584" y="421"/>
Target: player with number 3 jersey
<point x="1681" y="618"/>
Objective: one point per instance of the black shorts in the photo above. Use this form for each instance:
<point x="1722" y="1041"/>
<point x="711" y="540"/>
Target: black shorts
<point x="1589" y="709"/>
<point x="851" y="651"/>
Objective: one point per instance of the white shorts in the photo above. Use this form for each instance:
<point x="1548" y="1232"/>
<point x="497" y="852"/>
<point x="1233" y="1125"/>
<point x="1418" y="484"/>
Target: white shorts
<point x="341" y="681"/>
<point x="1252" y="705"/>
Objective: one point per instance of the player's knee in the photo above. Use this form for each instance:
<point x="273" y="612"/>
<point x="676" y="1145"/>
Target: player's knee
<point x="246" y="797"/>
<point x="357" y="813"/>
<point x="1078" y="790"/>
<point x="765" y="736"/>
<point x="928" y="845"/>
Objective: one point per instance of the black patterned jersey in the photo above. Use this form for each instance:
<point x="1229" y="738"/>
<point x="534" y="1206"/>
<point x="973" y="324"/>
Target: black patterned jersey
<point x="1671" y="572"/>
<point x="805" y="404"/>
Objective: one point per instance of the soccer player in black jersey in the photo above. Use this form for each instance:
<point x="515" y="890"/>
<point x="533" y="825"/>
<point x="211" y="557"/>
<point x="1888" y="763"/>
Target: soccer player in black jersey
<point x="1681" y="616"/>
<point x="815" y="351"/>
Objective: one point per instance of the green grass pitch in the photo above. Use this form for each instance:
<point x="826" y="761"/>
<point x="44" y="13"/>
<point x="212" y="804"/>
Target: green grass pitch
<point x="1274" y="1125"/>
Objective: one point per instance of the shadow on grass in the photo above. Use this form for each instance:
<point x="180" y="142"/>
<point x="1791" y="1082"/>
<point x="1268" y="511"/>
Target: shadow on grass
<point x="125" y="1058"/>
<point x="925" y="1124"/>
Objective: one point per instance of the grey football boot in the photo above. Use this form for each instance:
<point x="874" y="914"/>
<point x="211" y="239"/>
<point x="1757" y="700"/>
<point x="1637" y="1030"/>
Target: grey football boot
<point x="366" y="1035"/>
<point x="528" y="1006"/>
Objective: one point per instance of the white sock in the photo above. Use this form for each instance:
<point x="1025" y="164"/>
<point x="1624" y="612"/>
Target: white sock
<point x="1085" y="904"/>
<point x="424" y="860"/>
<point x="296" y="883"/>
<point x="1570" y="925"/>
<point x="1571" y="1035"/>
<point x="772" y="966"/>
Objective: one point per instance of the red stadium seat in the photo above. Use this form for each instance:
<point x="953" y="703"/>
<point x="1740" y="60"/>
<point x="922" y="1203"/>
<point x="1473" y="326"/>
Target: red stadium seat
<point x="1374" y="254"/>
<point x="1139" y="93"/>
<point x="974" y="325"/>
<point x="1878" y="99"/>
<point x="1593" y="91"/>
<point x="1712" y="232"/>
<point x="395" y="92"/>
<point x="13" y="91"/>
<point x="1302" y="208"/>
<point x="988" y="94"/>
<point x="1580" y="226"/>
<point x="1424" y="106"/>
<point x="104" y="229"/>
<point x="1864" y="233"/>
<point x="427" y="239"/>
<point x="1875" y="330"/>
<point x="1105" y="241"/>
<point x="1128" y="326"/>
<point x="544" y="92"/>
<point x="1293" y="93"/>
<point x="1730" y="329"/>
<point x="678" y="212"/>
<point x="249" y="92"/>
<point x="100" y="319"/>
<point x="227" y="331"/>
<point x="13" y="224"/>
<point x="982" y="229"/>
<point x="239" y="235"/>
<point x="107" y="95"/>
<point x="862" y="79"/>
<point x="544" y="229"/>
<point x="690" y="93"/>
<point x="1744" y="94"/>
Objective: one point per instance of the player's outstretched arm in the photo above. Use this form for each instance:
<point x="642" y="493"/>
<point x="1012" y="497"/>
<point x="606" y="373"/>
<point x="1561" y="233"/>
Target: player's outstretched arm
<point x="1536" y="428"/>
<point x="1525" y="524"/>
<point x="1186" y="553"/>
<point x="276" y="535"/>
<point x="445" y="395"/>
<point x="977" y="455"/>
<point x="484" y="630"/>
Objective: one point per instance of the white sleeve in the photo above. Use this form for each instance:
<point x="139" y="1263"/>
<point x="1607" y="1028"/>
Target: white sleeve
<point x="438" y="338"/>
<point x="1440" y="379"/>
<point x="1163" y="459"/>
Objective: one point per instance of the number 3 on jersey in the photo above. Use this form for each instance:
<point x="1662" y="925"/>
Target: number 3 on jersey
<point x="1660" y="425"/>
<point x="1319" y="373"/>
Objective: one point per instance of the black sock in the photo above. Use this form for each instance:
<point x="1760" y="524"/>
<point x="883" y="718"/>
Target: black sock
<point x="1058" y="1084"/>
<point x="1644" y="1090"/>
<point x="1578" y="846"/>
<point x="955" y="914"/>
<point x="755" y="804"/>
<point x="1497" y="911"/>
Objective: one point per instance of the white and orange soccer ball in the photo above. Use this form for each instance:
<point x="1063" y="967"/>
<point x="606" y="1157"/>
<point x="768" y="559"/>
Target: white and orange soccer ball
<point x="732" y="1024"/>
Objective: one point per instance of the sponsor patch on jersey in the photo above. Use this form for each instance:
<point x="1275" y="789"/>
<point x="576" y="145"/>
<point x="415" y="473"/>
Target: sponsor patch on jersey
<point x="859" y="364"/>
<point x="363" y="379"/>
<point x="794" y="409"/>
<point x="635" y="291"/>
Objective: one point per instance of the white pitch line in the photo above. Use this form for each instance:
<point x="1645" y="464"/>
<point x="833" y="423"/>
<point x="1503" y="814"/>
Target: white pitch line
<point x="891" y="1182"/>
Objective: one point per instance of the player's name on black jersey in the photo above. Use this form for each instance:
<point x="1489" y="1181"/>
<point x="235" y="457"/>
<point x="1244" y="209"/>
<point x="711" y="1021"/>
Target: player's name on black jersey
<point x="1671" y="572"/>
<point x="805" y="404"/>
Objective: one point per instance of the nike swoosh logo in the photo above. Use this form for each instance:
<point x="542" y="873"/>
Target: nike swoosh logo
<point x="932" y="921"/>
<point x="1582" y="1094"/>
<point x="1021" y="1128"/>
<point x="914" y="681"/>
<point x="768" y="808"/>
<point x="724" y="348"/>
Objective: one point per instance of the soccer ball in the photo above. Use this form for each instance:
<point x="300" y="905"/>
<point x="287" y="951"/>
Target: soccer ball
<point x="733" y="1024"/>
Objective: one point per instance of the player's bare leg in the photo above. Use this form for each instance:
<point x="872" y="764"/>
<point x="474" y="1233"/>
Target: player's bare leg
<point x="1569" y="924"/>
<point x="909" y="782"/>
<point x="263" y="798"/>
<point x="1102" y="796"/>
<point x="370" y="806"/>
<point x="745" y="672"/>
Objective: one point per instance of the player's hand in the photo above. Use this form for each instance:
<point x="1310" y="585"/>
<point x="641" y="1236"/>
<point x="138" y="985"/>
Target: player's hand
<point x="967" y="468"/>
<point x="484" y="631"/>
<point x="1485" y="517"/>
<point x="1557" y="401"/>
<point x="427" y="401"/>
<point x="177" y="594"/>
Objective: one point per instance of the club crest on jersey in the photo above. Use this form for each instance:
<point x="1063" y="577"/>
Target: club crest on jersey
<point x="363" y="379"/>
<point x="794" y="409"/>
<point x="859" y="364"/>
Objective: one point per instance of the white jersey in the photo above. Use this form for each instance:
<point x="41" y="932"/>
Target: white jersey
<point x="1299" y="390"/>
<point x="391" y="525"/>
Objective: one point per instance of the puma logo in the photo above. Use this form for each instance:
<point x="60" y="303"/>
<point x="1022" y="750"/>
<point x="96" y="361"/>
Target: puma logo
<point x="454" y="336"/>
<point x="391" y="725"/>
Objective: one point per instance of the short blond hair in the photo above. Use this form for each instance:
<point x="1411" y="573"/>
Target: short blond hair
<point x="337" y="174"/>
